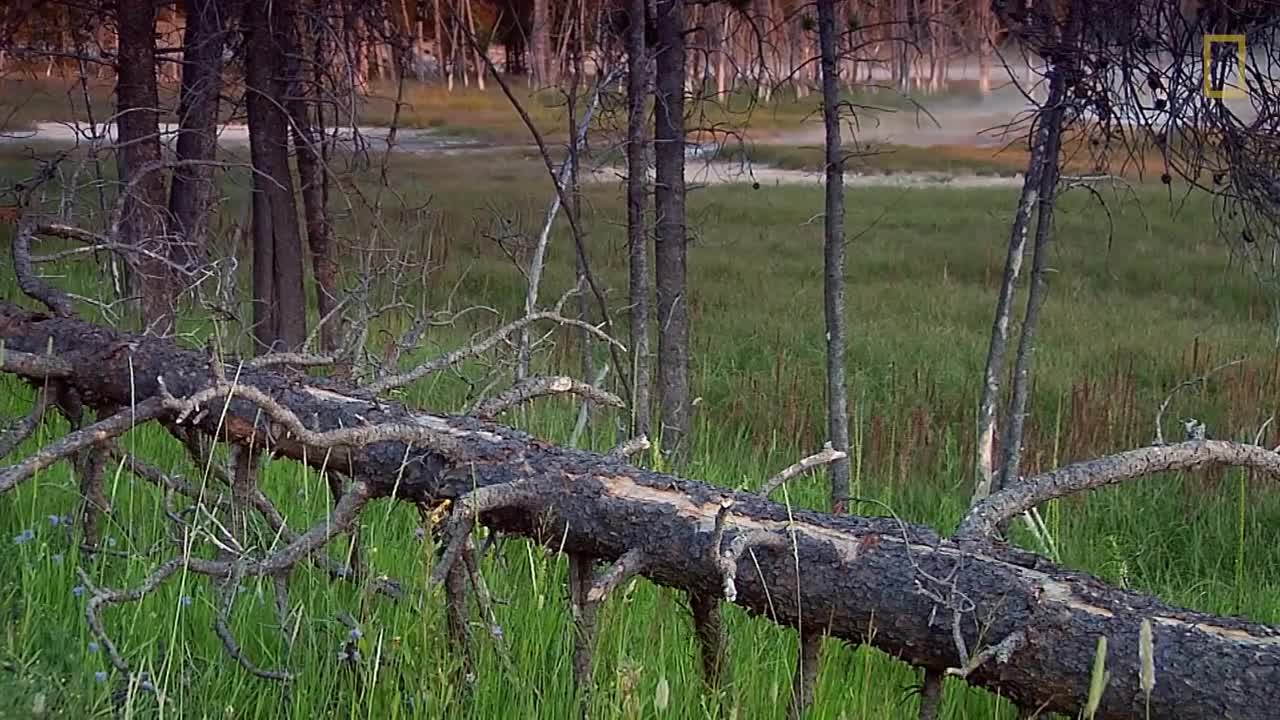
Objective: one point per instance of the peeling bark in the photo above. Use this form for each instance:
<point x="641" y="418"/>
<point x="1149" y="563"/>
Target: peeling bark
<point x="1009" y="620"/>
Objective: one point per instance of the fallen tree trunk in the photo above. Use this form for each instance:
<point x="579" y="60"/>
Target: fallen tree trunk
<point x="1000" y="618"/>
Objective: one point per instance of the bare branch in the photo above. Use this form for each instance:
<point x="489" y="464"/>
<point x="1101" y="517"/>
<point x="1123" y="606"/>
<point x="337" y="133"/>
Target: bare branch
<point x="29" y="365"/>
<point x="984" y="517"/>
<point x="74" y="442"/>
<point x="1001" y="651"/>
<point x="624" y="568"/>
<point x="289" y="358"/>
<point x="826" y="456"/>
<point x="22" y="429"/>
<point x="1159" y="439"/>
<point x="537" y="387"/>
<point x="31" y="284"/>
<point x="476" y="349"/>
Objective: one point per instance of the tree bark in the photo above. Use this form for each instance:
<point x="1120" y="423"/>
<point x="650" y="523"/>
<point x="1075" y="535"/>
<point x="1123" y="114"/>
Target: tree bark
<point x="279" y="302"/>
<point x="191" y="192"/>
<point x="989" y="399"/>
<point x="1049" y="170"/>
<point x="639" y="286"/>
<point x="899" y="587"/>
<point x="143" y="203"/>
<point x="540" y="44"/>
<point x="313" y="175"/>
<point x="670" y="249"/>
<point x="833" y="259"/>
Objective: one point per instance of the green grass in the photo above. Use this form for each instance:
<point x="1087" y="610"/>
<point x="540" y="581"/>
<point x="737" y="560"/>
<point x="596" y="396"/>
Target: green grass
<point x="1125" y="320"/>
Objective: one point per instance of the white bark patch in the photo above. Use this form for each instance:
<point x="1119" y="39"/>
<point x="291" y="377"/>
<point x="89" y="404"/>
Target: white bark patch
<point x="1228" y="634"/>
<point x="439" y="424"/>
<point x="330" y="396"/>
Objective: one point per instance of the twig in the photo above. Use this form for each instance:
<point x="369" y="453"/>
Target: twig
<point x="102" y="596"/>
<point x="22" y="429"/>
<point x="826" y="456"/>
<point x="537" y="387"/>
<point x="1001" y="651"/>
<point x="453" y="358"/>
<point x="222" y="627"/>
<point x="74" y="442"/>
<point x="630" y="564"/>
<point x="1159" y="439"/>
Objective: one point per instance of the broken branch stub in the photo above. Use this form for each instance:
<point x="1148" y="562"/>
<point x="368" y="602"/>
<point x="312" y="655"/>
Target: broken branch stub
<point x="873" y="580"/>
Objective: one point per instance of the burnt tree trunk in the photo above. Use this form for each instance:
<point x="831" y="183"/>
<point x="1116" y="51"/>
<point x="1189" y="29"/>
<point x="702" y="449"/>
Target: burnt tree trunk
<point x="142" y="214"/>
<point x="903" y="589"/>
<point x="670" y="249"/>
<point x="640" y="288"/>
<point x="191" y="191"/>
<point x="833" y="259"/>
<point x="279" y="303"/>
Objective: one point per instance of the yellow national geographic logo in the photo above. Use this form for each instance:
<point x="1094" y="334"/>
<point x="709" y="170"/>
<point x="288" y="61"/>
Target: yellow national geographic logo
<point x="1211" y="73"/>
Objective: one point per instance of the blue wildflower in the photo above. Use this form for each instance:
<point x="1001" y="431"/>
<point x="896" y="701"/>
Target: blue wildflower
<point x="55" y="520"/>
<point x="100" y="676"/>
<point x="77" y="590"/>
<point x="93" y="646"/>
<point x="186" y="601"/>
<point x="24" y="537"/>
<point x="355" y="634"/>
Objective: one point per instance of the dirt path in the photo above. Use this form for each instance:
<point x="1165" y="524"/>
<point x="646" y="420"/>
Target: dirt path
<point x="727" y="173"/>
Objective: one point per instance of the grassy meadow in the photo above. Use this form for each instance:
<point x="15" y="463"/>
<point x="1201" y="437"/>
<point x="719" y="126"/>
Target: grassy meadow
<point x="1133" y="310"/>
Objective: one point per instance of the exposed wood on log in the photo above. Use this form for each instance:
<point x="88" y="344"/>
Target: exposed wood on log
<point x="929" y="601"/>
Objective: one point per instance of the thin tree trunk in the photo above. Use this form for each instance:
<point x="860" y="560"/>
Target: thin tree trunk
<point x="574" y="210"/>
<point x="437" y="18"/>
<point x="471" y="25"/>
<point x="312" y="173"/>
<point x="993" y="374"/>
<point x="639" y="288"/>
<point x="192" y="191"/>
<point x="142" y="217"/>
<point x="1014" y="431"/>
<point x="670" y="249"/>
<point x="719" y="22"/>
<point x="833" y="259"/>
<point x="279" y="302"/>
<point x="540" y="44"/>
<point x="985" y="32"/>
